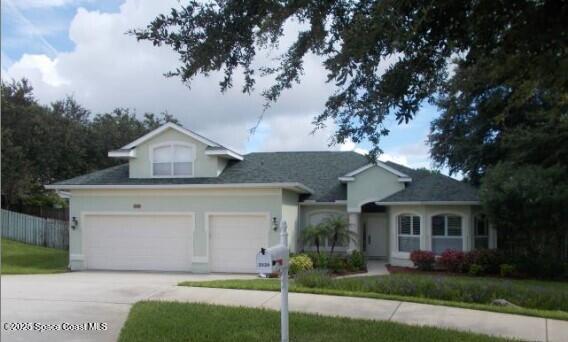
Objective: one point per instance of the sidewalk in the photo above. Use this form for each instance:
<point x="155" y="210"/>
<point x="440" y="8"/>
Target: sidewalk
<point x="484" y="322"/>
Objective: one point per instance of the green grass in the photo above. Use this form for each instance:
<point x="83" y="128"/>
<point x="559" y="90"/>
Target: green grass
<point x="21" y="258"/>
<point x="172" y="321"/>
<point x="419" y="289"/>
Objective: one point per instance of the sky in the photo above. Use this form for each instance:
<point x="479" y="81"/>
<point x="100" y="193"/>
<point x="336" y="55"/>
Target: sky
<point x="80" y="48"/>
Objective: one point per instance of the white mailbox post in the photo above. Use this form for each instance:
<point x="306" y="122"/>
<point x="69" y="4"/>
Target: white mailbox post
<point x="275" y="259"/>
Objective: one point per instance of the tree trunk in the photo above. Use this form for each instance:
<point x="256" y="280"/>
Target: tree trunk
<point x="333" y="242"/>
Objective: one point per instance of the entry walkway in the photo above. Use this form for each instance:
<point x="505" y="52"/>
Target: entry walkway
<point x="484" y="322"/>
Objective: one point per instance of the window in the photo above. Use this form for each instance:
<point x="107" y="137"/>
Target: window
<point x="481" y="232"/>
<point x="446" y="233"/>
<point x="408" y="233"/>
<point x="172" y="160"/>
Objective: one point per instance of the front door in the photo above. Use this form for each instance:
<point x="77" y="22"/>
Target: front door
<point x="376" y="236"/>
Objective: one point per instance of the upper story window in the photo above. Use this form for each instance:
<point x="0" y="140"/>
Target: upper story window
<point x="446" y="233"/>
<point x="173" y="160"/>
<point x="408" y="232"/>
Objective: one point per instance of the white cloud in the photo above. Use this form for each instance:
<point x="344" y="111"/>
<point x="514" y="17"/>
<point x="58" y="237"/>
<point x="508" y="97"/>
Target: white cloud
<point x="42" y="3"/>
<point x="38" y="67"/>
<point x="349" y="145"/>
<point x="109" y="69"/>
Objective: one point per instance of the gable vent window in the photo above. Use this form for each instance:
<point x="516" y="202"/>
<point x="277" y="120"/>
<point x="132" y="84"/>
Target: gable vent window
<point x="172" y="160"/>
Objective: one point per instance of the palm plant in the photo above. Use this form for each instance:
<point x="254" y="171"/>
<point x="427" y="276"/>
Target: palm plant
<point x="315" y="235"/>
<point x="337" y="228"/>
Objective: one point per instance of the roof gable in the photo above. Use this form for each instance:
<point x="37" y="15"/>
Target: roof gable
<point x="165" y="127"/>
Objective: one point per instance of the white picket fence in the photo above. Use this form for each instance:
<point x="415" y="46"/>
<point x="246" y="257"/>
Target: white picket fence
<point x="35" y="230"/>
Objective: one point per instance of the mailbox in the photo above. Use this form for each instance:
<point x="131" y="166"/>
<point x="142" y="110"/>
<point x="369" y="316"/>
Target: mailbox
<point x="272" y="260"/>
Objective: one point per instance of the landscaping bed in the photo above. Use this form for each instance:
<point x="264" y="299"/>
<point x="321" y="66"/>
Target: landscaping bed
<point x="21" y="258"/>
<point x="530" y="297"/>
<point x="172" y="321"/>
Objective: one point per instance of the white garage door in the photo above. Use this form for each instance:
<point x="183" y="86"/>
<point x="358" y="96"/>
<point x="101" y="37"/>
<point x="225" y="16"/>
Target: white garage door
<point x="156" y="242"/>
<point x="235" y="240"/>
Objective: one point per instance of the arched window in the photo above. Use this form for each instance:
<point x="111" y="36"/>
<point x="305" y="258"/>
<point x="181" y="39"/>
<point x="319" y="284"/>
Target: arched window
<point x="408" y="230"/>
<point x="447" y="233"/>
<point x="173" y="160"/>
<point x="481" y="232"/>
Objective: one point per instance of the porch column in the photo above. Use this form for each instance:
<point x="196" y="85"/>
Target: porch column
<point x="354" y="223"/>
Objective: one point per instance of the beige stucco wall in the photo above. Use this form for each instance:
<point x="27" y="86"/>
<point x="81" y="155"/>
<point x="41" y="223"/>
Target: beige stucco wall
<point x="204" y="166"/>
<point x="371" y="185"/>
<point x="197" y="201"/>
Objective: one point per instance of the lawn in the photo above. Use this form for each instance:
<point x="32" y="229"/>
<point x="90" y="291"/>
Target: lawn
<point x="172" y="321"/>
<point x="531" y="297"/>
<point x="21" y="258"/>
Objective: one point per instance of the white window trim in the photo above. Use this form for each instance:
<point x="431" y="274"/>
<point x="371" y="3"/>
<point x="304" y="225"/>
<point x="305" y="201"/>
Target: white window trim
<point x="412" y="235"/>
<point x="446" y="227"/>
<point x="171" y="144"/>
<point x="476" y="236"/>
<point x="446" y="236"/>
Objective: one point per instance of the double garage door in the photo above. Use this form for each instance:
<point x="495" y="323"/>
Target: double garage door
<point x="164" y="242"/>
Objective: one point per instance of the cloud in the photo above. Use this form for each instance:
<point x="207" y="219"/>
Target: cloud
<point x="38" y="67"/>
<point x="42" y="3"/>
<point x="109" y="69"/>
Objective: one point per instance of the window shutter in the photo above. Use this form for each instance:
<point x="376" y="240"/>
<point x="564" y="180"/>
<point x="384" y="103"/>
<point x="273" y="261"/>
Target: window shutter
<point x="454" y="226"/>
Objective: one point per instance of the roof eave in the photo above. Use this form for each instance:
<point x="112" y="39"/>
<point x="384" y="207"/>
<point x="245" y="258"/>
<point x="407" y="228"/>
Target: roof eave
<point x="122" y="154"/>
<point x="228" y="154"/>
<point x="428" y="203"/>
<point x="293" y="186"/>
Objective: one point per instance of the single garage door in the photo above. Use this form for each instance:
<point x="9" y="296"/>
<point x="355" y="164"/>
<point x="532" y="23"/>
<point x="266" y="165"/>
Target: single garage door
<point x="156" y="242"/>
<point x="235" y="240"/>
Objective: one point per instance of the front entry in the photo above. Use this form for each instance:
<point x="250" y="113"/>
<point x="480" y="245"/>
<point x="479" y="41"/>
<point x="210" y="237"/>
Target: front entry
<point x="376" y="235"/>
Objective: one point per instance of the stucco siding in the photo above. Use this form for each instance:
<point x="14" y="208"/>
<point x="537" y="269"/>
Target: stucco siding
<point x="204" y="166"/>
<point x="371" y="185"/>
<point x="426" y="212"/>
<point x="290" y="215"/>
<point x="199" y="202"/>
<point x="310" y="212"/>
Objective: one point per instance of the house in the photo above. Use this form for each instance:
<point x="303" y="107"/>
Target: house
<point x="183" y="202"/>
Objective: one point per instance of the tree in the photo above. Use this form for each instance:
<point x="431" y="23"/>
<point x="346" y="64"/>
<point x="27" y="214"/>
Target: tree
<point x="484" y="63"/>
<point x="44" y="144"/>
<point x="528" y="206"/>
<point x="315" y="235"/>
<point x="337" y="228"/>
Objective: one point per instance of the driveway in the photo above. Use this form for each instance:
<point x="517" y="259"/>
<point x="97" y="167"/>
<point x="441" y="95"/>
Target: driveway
<point x="81" y="297"/>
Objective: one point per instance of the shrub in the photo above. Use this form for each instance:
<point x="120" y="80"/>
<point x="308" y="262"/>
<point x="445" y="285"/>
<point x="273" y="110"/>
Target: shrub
<point x="424" y="260"/>
<point x="507" y="270"/>
<point x="488" y="259"/>
<point x="475" y="270"/>
<point x="452" y="260"/>
<point x="300" y="262"/>
<point x="313" y="278"/>
<point x="337" y="264"/>
<point x="538" y="266"/>
<point x="357" y="261"/>
<point x="319" y="260"/>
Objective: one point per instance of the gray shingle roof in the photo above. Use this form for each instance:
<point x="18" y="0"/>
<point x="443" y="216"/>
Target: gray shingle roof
<point x="429" y="186"/>
<point x="316" y="170"/>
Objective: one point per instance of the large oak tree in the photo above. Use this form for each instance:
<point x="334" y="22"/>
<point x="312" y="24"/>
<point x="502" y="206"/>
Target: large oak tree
<point x="496" y="69"/>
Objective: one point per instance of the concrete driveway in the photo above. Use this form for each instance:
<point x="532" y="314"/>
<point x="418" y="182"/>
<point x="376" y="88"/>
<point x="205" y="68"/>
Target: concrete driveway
<point x="80" y="297"/>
